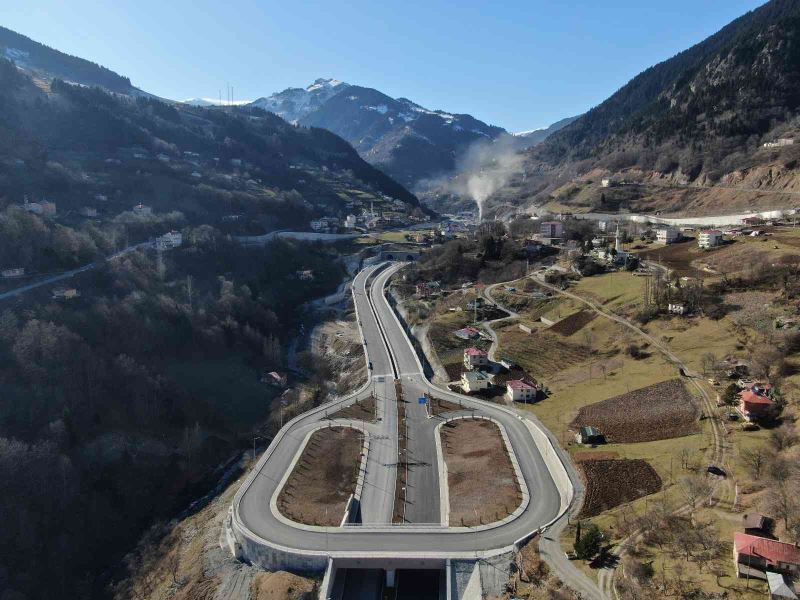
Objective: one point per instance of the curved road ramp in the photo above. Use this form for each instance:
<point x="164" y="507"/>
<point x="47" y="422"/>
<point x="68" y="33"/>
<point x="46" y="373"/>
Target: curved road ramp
<point x="401" y="462"/>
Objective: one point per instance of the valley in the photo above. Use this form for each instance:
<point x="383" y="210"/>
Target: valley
<point x="331" y="343"/>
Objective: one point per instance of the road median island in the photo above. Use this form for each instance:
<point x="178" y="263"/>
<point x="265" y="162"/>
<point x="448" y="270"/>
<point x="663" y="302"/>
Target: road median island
<point x="399" y="514"/>
<point x="324" y="477"/>
<point x="360" y="410"/>
<point x="482" y="484"/>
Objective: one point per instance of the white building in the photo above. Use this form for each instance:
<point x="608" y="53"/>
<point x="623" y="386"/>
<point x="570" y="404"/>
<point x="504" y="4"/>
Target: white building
<point x="142" y="210"/>
<point x="519" y="390"/>
<point x="668" y="235"/>
<point x="780" y="143"/>
<point x="170" y="240"/>
<point x="709" y="238"/>
<point x="350" y="221"/>
<point x="605" y="182"/>
<point x="474" y="381"/>
<point x="10" y="273"/>
<point x="678" y="308"/>
<point x="475" y="357"/>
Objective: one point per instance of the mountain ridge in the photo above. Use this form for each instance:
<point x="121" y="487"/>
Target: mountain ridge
<point x="406" y="140"/>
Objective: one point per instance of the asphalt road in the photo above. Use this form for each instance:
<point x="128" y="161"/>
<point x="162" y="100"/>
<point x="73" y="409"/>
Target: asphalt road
<point x="252" y="511"/>
<point x="68" y="274"/>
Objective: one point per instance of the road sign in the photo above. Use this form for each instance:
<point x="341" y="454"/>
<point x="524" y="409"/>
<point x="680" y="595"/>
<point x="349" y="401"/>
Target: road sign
<point x="423" y="400"/>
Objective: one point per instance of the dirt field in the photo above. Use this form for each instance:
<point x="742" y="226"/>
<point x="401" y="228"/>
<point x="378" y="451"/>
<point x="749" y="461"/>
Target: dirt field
<point x="610" y="483"/>
<point x="656" y="412"/>
<point x="483" y="486"/>
<point x="573" y="323"/>
<point x="323" y="479"/>
<point x="360" y="411"/>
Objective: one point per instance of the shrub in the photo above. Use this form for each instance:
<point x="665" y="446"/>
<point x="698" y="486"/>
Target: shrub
<point x="588" y="544"/>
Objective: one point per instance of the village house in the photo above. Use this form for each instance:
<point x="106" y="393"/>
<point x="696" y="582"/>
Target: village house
<point x="753" y="556"/>
<point x="141" y="210"/>
<point x="65" y="294"/>
<point x="551" y="229"/>
<point x="606" y="182"/>
<point x="428" y="289"/>
<point x="668" y="235"/>
<point x="752" y="221"/>
<point x="170" y="240"/>
<point x="11" y="273"/>
<point x="468" y="333"/>
<point x="677" y="308"/>
<point x="88" y="211"/>
<point x="43" y="208"/>
<point x="520" y="390"/>
<point x="305" y="275"/>
<point x="709" y="238"/>
<point x="754" y="406"/>
<point x="350" y="221"/>
<point x="475" y="357"/>
<point x="474" y="381"/>
<point x="779" y="143"/>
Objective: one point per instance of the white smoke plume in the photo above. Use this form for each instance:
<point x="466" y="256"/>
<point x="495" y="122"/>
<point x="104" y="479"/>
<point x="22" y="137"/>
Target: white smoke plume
<point x="486" y="167"/>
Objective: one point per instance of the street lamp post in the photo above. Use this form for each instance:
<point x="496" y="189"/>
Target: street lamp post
<point x="256" y="437"/>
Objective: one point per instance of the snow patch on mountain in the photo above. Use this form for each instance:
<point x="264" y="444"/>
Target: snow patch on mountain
<point x="293" y="104"/>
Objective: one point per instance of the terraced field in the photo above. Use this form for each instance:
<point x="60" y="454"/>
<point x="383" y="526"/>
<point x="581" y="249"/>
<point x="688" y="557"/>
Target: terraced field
<point x="656" y="412"/>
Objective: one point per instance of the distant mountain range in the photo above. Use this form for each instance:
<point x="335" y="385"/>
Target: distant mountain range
<point x="404" y="139"/>
<point x="537" y="136"/>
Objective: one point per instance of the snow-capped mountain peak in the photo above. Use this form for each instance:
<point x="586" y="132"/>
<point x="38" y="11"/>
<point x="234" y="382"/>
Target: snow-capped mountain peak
<point x="322" y="83"/>
<point x="295" y="103"/>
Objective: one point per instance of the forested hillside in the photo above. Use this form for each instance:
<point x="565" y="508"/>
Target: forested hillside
<point x="123" y="401"/>
<point x="82" y="146"/>
<point x="705" y="111"/>
<point x="52" y="63"/>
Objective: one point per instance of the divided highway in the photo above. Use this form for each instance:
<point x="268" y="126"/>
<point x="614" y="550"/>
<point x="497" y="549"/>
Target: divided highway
<point x="255" y="525"/>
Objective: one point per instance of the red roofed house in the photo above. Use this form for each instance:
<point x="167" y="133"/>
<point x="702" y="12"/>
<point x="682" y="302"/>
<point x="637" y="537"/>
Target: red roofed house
<point x="754" y="406"/>
<point x="475" y="357"/>
<point x="754" y="555"/>
<point x="519" y="390"/>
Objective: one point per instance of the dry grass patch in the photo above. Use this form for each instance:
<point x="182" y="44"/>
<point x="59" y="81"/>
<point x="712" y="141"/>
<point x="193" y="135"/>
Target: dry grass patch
<point x="280" y="586"/>
<point x="540" y="354"/>
<point x="656" y="412"/>
<point x="437" y="406"/>
<point x="612" y="482"/>
<point x="363" y="410"/>
<point x="481" y="479"/>
<point x="322" y="481"/>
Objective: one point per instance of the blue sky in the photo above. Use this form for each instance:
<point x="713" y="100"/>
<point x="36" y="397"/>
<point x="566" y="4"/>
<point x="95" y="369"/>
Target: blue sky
<point x="520" y="64"/>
